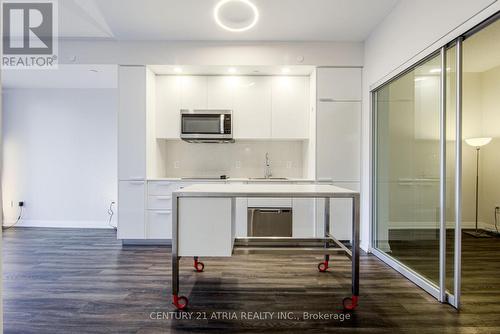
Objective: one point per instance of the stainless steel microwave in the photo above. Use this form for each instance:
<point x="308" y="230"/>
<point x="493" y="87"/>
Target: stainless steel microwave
<point x="207" y="126"/>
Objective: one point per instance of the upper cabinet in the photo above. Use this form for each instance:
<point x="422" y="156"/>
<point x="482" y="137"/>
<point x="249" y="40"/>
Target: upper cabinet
<point x="264" y="107"/>
<point x="290" y="107"/>
<point x="338" y="124"/>
<point x="252" y="108"/>
<point x="338" y="84"/>
<point x="338" y="141"/>
<point x="168" y="105"/>
<point x="132" y="123"/>
<point x="194" y="92"/>
<point x="221" y="92"/>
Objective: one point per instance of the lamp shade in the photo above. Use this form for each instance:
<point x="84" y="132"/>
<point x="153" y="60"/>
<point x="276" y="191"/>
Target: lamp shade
<point x="478" y="142"/>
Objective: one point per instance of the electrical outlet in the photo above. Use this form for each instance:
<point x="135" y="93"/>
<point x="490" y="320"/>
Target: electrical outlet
<point x="238" y="164"/>
<point x="288" y="165"/>
<point x="11" y="204"/>
<point x="177" y="164"/>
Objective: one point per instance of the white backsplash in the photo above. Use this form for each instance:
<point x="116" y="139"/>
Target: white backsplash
<point x="239" y="159"/>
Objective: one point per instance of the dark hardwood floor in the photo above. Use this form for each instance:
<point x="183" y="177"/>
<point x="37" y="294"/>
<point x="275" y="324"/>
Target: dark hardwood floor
<point x="84" y="281"/>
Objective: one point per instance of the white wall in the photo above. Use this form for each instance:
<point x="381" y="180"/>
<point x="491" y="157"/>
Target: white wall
<point x="59" y="156"/>
<point x="411" y="31"/>
<point x="490" y="154"/>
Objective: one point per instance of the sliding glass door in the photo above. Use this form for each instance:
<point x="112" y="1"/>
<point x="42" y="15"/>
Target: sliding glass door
<point x="415" y="188"/>
<point x="407" y="173"/>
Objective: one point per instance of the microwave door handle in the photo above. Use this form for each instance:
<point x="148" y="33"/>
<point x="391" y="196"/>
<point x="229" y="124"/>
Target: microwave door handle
<point x="221" y="124"/>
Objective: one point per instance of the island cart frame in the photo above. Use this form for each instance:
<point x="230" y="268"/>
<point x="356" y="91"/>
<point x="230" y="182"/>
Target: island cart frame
<point x="258" y="244"/>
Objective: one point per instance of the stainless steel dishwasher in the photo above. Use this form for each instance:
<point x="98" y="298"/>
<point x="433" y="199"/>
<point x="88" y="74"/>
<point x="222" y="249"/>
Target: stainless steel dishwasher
<point x="269" y="222"/>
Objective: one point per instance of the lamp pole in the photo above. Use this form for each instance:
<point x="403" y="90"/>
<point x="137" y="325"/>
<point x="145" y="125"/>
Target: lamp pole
<point x="477" y="183"/>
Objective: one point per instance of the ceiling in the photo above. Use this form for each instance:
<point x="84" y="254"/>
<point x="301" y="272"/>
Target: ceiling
<point x="65" y="76"/>
<point x="279" y="20"/>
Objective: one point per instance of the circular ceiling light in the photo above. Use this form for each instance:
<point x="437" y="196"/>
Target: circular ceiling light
<point x="236" y="15"/>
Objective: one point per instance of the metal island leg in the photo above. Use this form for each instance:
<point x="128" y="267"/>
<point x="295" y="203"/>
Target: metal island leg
<point x="323" y="266"/>
<point x="180" y="302"/>
<point x="351" y="303"/>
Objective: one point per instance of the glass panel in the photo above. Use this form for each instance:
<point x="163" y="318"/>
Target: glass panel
<point x="205" y="124"/>
<point x="407" y="169"/>
<point x="480" y="162"/>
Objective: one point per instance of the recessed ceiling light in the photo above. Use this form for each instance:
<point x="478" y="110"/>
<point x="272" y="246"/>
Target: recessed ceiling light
<point x="285" y="70"/>
<point x="231" y="70"/>
<point x="177" y="70"/>
<point x="93" y="70"/>
<point x="236" y="15"/>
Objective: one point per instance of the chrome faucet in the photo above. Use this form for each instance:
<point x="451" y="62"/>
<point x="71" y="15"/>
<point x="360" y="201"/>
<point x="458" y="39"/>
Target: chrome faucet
<point x="268" y="172"/>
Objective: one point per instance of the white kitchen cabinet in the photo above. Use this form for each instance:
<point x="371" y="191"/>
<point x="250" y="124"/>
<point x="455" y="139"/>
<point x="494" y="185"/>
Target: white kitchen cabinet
<point x="131" y="210"/>
<point x="206" y="227"/>
<point x="340" y="214"/>
<point x="290" y="107"/>
<point x="303" y="218"/>
<point x="221" y="92"/>
<point x="168" y="105"/>
<point x="241" y="217"/>
<point x="159" y="224"/>
<point x="338" y="140"/>
<point x="338" y="84"/>
<point x="252" y="108"/>
<point x="132" y="123"/>
<point x="194" y="92"/>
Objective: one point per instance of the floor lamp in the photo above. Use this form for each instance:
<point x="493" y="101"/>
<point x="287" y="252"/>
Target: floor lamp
<point x="477" y="143"/>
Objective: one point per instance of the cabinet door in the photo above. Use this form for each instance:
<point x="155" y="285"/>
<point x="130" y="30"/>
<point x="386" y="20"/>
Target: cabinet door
<point x="290" y="107"/>
<point x="168" y="105"/>
<point x="159" y="224"/>
<point x="338" y="139"/>
<point x="131" y="211"/>
<point x="303" y="218"/>
<point x="252" y="108"/>
<point x="339" y="84"/>
<point x="193" y="92"/>
<point x="340" y="214"/>
<point x="241" y="217"/>
<point x="221" y="90"/>
<point x="132" y="123"/>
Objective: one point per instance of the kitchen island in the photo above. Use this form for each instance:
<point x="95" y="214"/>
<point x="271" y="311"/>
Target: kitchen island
<point x="203" y="224"/>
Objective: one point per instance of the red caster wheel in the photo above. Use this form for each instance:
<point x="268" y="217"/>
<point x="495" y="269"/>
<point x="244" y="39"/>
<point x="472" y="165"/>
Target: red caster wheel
<point x="323" y="266"/>
<point x="350" y="303"/>
<point x="180" y="302"/>
<point x="198" y="266"/>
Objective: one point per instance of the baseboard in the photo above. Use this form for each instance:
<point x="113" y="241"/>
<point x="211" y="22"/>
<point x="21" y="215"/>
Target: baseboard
<point x="60" y="223"/>
<point x="433" y="225"/>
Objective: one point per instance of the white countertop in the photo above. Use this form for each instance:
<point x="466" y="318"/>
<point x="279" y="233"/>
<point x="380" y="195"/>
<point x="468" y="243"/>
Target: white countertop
<point x="232" y="179"/>
<point x="265" y="190"/>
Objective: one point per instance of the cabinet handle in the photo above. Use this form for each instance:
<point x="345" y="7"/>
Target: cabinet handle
<point x="136" y="182"/>
<point x="163" y="198"/>
<point x="162" y="212"/>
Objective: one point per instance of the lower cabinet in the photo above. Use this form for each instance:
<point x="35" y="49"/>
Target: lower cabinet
<point x="159" y="224"/>
<point x="303" y="217"/>
<point x="340" y="214"/>
<point x="131" y="209"/>
<point x="145" y="211"/>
